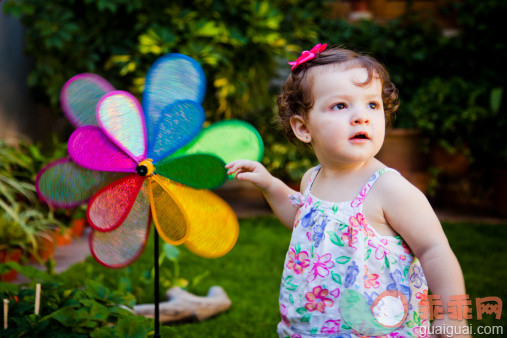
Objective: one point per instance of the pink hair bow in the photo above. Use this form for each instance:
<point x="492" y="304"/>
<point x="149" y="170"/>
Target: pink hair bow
<point x="308" y="55"/>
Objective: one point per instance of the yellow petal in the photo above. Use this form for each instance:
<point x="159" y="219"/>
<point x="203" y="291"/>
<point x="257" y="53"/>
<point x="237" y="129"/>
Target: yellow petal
<point x="168" y="215"/>
<point x="213" y="226"/>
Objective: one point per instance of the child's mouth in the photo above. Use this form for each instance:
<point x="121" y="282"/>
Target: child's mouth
<point x="360" y="136"/>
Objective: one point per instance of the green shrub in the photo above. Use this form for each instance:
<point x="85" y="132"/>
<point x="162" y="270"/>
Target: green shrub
<point x="410" y="48"/>
<point x="447" y="111"/>
<point x="243" y="47"/>
<point x="91" y="311"/>
<point x="238" y="43"/>
<point x="23" y="219"/>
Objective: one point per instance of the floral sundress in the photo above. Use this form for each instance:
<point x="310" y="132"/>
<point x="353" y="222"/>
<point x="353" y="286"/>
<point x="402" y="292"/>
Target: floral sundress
<point x="342" y="278"/>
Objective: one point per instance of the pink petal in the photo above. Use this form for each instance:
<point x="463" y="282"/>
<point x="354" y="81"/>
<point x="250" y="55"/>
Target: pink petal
<point x="90" y="148"/>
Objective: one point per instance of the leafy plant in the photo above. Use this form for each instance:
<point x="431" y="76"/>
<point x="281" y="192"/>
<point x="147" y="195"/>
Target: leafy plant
<point x="92" y="311"/>
<point x="12" y="234"/>
<point x="287" y="161"/>
<point x="21" y="227"/>
<point x="447" y="111"/>
<point x="238" y="43"/>
<point x="22" y="218"/>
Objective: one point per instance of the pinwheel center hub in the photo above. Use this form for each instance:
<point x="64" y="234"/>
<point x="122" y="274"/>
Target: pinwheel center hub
<point x="145" y="168"/>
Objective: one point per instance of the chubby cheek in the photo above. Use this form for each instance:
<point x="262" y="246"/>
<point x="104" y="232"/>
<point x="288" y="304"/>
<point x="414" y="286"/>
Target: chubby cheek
<point x="333" y="125"/>
<point x="380" y="134"/>
<point x="334" y="133"/>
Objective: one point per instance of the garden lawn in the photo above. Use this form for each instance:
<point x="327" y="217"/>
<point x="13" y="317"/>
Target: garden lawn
<point x="251" y="272"/>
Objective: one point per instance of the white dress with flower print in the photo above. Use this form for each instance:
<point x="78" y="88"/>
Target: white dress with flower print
<point x="343" y="279"/>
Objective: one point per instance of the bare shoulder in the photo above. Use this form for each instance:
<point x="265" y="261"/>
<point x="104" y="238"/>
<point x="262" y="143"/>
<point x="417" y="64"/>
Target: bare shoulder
<point x="306" y="178"/>
<point x="396" y="189"/>
<point x="408" y="212"/>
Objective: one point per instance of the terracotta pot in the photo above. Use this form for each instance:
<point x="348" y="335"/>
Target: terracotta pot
<point x="402" y="151"/>
<point x="450" y="164"/>
<point x="10" y="255"/>
<point x="63" y="236"/>
<point x="77" y="226"/>
<point x="359" y="5"/>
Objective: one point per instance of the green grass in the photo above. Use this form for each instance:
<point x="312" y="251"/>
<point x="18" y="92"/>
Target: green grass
<point x="251" y="272"/>
<point x="482" y="253"/>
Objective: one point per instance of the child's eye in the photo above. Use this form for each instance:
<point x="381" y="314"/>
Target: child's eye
<point x="373" y="105"/>
<point x="339" y="106"/>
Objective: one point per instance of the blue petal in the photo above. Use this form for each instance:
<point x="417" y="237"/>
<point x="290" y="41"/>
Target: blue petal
<point x="180" y="122"/>
<point x="173" y="77"/>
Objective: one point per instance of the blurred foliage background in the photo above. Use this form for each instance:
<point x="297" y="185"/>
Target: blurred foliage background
<point x="451" y="85"/>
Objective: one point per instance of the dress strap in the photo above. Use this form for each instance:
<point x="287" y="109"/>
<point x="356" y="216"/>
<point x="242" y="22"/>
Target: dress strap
<point x="367" y="187"/>
<point x="298" y="199"/>
<point x="312" y="178"/>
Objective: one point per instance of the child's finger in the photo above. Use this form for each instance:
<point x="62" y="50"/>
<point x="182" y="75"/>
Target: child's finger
<point x="244" y="164"/>
<point x="232" y="163"/>
<point x="239" y="171"/>
<point x="233" y="169"/>
<point x="246" y="176"/>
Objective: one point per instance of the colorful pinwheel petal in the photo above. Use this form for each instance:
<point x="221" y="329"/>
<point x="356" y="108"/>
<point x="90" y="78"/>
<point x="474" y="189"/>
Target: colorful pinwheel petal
<point x="90" y="148"/>
<point x="172" y="161"/>
<point x="79" y="98"/>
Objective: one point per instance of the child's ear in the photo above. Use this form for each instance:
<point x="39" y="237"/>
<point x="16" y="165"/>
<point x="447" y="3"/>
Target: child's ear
<point x="298" y="125"/>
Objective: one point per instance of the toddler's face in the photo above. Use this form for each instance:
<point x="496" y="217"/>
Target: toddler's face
<point x="347" y="123"/>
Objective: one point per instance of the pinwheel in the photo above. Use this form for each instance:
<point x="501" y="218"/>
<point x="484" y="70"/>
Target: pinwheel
<point x="134" y="164"/>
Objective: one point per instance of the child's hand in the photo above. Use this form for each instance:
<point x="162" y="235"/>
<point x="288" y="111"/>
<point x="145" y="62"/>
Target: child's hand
<point x="251" y="171"/>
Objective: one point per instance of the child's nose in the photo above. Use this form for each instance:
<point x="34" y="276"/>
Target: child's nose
<point x="360" y="116"/>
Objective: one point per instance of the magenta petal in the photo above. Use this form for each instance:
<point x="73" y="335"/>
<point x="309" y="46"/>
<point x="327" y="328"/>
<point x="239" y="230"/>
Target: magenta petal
<point x="90" y="148"/>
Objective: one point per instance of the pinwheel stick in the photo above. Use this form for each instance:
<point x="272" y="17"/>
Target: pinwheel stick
<point x="157" y="285"/>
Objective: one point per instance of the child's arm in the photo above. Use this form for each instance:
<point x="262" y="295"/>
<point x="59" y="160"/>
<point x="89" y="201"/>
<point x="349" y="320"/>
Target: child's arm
<point x="275" y="191"/>
<point x="409" y="213"/>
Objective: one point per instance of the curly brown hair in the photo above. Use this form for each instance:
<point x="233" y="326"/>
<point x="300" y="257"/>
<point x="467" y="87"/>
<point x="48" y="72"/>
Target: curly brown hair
<point x="297" y="99"/>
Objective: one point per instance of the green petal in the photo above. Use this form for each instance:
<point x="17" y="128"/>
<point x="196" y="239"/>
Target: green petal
<point x="229" y="140"/>
<point x="200" y="171"/>
<point x="64" y="184"/>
